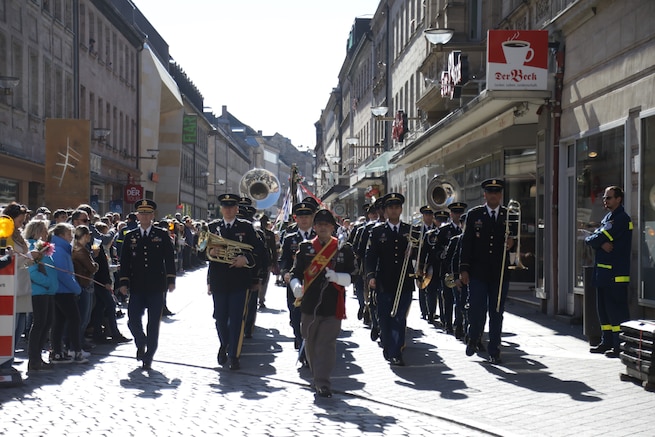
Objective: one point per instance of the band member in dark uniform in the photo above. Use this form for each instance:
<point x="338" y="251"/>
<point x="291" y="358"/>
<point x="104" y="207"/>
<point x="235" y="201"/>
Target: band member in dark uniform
<point x="446" y="232"/>
<point x="357" y="278"/>
<point x="320" y="273"/>
<point x="435" y="246"/>
<point x="480" y="266"/>
<point x="228" y="281"/>
<point x="419" y="231"/>
<point x="450" y="266"/>
<point x="375" y="216"/>
<point x="389" y="249"/>
<point x="247" y="212"/>
<point x="304" y="215"/>
<point x="148" y="270"/>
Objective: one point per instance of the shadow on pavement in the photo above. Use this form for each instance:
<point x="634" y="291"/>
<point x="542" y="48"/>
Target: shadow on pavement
<point x="425" y="370"/>
<point x="340" y="411"/>
<point x="149" y="383"/>
<point x="523" y="370"/>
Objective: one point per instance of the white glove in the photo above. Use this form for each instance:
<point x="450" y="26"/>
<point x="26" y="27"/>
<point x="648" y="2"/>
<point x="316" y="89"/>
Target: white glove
<point x="296" y="288"/>
<point x="342" y="279"/>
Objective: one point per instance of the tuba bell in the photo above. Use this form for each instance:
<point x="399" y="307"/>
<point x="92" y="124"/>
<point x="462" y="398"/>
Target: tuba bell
<point x="441" y="192"/>
<point x="262" y="186"/>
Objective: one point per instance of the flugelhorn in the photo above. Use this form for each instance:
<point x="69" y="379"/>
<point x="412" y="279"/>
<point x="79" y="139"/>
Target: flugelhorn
<point x="219" y="249"/>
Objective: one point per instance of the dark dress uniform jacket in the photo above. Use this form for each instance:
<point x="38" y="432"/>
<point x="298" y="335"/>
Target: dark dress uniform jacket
<point x="385" y="256"/>
<point x="220" y="276"/>
<point x="483" y="242"/>
<point x="147" y="263"/>
<point x="342" y="262"/>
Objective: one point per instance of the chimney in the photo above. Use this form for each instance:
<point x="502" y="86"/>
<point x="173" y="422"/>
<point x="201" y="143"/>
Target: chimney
<point x="224" y="110"/>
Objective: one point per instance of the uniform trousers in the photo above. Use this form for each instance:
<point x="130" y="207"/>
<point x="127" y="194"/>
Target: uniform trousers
<point x="294" y="317"/>
<point x="483" y="298"/>
<point x="392" y="329"/>
<point x="447" y="302"/>
<point x="612" y="304"/>
<point x="251" y="310"/>
<point x="153" y="301"/>
<point x="229" y="307"/>
<point x="432" y="296"/>
<point x="460" y="296"/>
<point x="320" y="334"/>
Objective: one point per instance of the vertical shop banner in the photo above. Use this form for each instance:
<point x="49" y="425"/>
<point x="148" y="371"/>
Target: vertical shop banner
<point x="67" y="162"/>
<point x="517" y="60"/>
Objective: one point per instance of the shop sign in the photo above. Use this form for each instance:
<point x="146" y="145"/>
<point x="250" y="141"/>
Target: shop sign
<point x="456" y="76"/>
<point x="517" y="60"/>
<point x="133" y="193"/>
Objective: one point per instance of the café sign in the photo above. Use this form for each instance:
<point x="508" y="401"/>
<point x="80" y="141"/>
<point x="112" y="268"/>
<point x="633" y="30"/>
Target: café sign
<point x="517" y="60"/>
<point x="457" y="75"/>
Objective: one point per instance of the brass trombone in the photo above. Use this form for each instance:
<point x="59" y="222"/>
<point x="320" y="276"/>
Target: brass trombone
<point x="513" y="218"/>
<point x="403" y="272"/>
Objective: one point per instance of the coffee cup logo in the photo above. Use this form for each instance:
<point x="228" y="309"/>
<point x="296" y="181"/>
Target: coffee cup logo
<point x="517" y="52"/>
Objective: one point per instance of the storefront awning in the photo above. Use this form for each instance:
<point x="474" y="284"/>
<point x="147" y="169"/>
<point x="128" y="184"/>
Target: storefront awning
<point x="491" y="111"/>
<point x="379" y="164"/>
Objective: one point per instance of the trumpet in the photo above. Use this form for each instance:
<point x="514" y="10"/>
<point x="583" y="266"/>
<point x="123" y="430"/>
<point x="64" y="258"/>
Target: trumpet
<point x="222" y="250"/>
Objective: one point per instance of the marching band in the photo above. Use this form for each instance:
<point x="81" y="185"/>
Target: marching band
<point x="453" y="258"/>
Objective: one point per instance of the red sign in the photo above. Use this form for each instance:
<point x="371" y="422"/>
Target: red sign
<point x="133" y="193"/>
<point x="517" y="60"/>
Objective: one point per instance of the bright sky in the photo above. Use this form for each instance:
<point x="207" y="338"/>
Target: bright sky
<point x="273" y="63"/>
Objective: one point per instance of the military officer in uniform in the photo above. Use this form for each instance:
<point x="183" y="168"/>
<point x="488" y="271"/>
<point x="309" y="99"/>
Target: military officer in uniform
<point x="389" y="245"/>
<point x="419" y="231"/>
<point x="148" y="270"/>
<point x="304" y="215"/>
<point x="446" y="232"/>
<point x="228" y="282"/>
<point x="480" y="266"/>
<point x="435" y="246"/>
<point x="321" y="271"/>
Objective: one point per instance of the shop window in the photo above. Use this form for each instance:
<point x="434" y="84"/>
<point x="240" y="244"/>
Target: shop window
<point x="599" y="164"/>
<point x="647" y="202"/>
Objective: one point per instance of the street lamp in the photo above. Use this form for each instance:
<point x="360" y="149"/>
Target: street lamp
<point x="8" y="83"/>
<point x="439" y="36"/>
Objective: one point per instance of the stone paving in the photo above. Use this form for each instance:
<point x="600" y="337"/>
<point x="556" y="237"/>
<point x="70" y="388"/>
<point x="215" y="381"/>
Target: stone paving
<point x="549" y="385"/>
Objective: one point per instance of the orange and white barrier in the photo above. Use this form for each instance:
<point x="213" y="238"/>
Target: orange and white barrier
<point x="7" y="310"/>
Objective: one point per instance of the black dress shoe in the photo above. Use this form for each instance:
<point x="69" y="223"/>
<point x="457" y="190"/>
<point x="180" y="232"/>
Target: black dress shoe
<point x="481" y="347"/>
<point x="324" y="392"/>
<point x="297" y="343"/>
<point x="396" y="361"/>
<point x="234" y="363"/>
<point x="471" y="347"/>
<point x="459" y="333"/>
<point x="167" y="313"/>
<point x="222" y="355"/>
<point x="118" y="339"/>
<point x="600" y="348"/>
<point x="613" y="354"/>
<point x="375" y="333"/>
<point x="140" y="352"/>
<point x="146" y="366"/>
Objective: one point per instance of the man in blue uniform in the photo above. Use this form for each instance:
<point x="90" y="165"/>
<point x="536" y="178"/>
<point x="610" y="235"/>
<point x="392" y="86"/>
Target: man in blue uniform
<point x="389" y="246"/>
<point x="148" y="270"/>
<point x="480" y="266"/>
<point x="228" y="280"/>
<point x="612" y="242"/>
<point x="435" y="245"/>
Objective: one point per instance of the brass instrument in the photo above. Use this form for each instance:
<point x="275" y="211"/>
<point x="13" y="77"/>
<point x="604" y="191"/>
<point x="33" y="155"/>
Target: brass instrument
<point x="411" y="241"/>
<point x="441" y="192"/>
<point x="262" y="186"/>
<point x="225" y="250"/>
<point x="514" y="219"/>
<point x="449" y="280"/>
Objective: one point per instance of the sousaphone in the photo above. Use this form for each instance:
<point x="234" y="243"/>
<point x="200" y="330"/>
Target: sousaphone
<point x="261" y="186"/>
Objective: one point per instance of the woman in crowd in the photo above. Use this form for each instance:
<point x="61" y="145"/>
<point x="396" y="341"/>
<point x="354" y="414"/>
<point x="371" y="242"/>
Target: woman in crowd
<point x="85" y="269"/>
<point x="44" y="286"/>
<point x="68" y="292"/>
